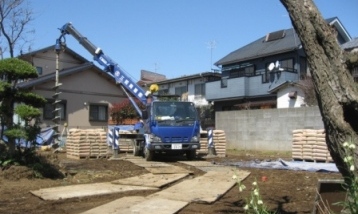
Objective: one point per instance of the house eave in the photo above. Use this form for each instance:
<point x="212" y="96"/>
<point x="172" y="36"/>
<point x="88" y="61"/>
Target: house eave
<point x="282" y="85"/>
<point x="258" y="56"/>
<point x="190" y="77"/>
<point x="241" y="97"/>
<point x="52" y="76"/>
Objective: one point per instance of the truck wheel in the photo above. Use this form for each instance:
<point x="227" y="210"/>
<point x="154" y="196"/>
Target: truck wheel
<point x="148" y="155"/>
<point x="190" y="154"/>
<point x="136" y="148"/>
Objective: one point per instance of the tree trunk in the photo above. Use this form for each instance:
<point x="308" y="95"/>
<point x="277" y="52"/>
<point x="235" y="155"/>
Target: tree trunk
<point x="9" y="122"/>
<point x="336" y="92"/>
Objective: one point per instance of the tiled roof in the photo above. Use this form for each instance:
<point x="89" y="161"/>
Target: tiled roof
<point x="261" y="48"/>
<point x="189" y="77"/>
<point x="52" y="48"/>
<point x="351" y="44"/>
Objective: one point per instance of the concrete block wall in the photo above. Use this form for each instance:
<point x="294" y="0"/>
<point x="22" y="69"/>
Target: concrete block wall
<point x="266" y="129"/>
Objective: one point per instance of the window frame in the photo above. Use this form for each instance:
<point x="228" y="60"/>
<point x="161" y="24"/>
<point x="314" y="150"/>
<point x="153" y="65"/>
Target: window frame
<point x="265" y="75"/>
<point x="97" y="117"/>
<point x="199" y="89"/>
<point x="49" y="106"/>
<point x="288" y="69"/>
<point x="224" y="82"/>
<point x="163" y="92"/>
<point x="181" y="90"/>
<point x="39" y="70"/>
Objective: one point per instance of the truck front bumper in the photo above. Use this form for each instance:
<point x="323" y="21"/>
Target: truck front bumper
<point x="173" y="146"/>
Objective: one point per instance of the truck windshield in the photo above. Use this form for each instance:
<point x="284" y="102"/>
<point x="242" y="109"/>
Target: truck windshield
<point x="179" y="111"/>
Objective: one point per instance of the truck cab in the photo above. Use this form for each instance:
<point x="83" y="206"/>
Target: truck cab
<point x="171" y="127"/>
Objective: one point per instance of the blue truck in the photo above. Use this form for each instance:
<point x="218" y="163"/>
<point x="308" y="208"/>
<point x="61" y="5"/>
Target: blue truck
<point x="170" y="127"/>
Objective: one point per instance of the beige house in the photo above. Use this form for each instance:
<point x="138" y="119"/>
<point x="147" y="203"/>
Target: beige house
<point x="87" y="92"/>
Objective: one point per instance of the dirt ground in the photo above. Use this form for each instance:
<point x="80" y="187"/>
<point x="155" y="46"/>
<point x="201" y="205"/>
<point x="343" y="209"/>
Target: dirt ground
<point x="284" y="191"/>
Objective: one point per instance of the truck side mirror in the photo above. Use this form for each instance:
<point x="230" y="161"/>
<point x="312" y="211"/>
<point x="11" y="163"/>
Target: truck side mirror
<point x="144" y="114"/>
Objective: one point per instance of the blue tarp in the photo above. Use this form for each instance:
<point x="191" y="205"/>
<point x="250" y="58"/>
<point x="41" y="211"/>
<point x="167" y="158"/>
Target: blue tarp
<point x="44" y="138"/>
<point x="288" y="165"/>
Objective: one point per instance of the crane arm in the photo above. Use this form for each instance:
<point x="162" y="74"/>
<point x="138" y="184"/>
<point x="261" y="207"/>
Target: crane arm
<point x="109" y="65"/>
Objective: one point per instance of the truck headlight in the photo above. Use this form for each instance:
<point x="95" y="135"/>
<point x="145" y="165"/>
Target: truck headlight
<point x="156" y="139"/>
<point x="194" y="139"/>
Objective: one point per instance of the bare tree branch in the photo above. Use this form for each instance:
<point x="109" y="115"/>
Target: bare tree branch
<point x="15" y="15"/>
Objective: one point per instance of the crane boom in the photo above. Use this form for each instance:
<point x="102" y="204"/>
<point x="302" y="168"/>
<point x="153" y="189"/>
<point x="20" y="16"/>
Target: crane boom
<point x="109" y="65"/>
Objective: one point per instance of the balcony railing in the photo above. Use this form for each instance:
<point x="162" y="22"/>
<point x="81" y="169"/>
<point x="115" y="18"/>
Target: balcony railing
<point x="248" y="86"/>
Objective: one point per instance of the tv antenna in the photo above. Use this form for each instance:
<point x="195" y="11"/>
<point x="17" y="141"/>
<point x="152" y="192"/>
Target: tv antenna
<point x="156" y="67"/>
<point x="211" y="45"/>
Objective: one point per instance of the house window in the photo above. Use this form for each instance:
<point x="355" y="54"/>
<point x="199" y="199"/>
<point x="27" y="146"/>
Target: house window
<point x="180" y="90"/>
<point x="49" y="110"/>
<point x="224" y="82"/>
<point x="303" y="67"/>
<point x="355" y="74"/>
<point x="234" y="73"/>
<point x="243" y="70"/>
<point x="287" y="65"/>
<point x="200" y="89"/>
<point x="98" y="112"/>
<point x="266" y="76"/>
<point x="249" y="71"/>
<point x="39" y="70"/>
<point x="163" y="92"/>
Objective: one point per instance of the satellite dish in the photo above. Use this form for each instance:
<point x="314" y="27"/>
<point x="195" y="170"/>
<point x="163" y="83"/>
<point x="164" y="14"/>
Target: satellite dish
<point x="277" y="64"/>
<point x="271" y="66"/>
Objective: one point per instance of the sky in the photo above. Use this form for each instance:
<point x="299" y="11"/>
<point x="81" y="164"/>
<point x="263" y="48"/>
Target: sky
<point x="170" y="37"/>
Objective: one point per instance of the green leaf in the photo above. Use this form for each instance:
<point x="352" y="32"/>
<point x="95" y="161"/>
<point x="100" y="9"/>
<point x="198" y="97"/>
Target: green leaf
<point x="27" y="112"/>
<point x="15" y="133"/>
<point x="14" y="67"/>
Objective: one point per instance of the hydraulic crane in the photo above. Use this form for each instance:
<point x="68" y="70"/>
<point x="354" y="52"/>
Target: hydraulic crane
<point x="171" y="127"/>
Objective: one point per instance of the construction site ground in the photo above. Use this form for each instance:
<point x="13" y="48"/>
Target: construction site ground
<point x="131" y="185"/>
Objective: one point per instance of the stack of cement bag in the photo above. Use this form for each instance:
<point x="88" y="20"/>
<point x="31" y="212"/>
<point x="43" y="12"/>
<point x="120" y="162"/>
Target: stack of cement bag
<point x="310" y="145"/>
<point x="86" y="143"/>
<point x="219" y="139"/>
<point x="125" y="144"/>
<point x="203" y="143"/>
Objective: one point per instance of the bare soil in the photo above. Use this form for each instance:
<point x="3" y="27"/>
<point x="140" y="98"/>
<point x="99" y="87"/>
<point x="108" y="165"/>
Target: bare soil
<point x="284" y="191"/>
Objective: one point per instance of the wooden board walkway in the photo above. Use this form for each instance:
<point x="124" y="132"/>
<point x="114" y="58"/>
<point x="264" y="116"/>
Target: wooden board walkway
<point x="204" y="189"/>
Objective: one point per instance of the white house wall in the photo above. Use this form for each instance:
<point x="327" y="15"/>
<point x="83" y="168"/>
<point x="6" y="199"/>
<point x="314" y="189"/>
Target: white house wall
<point x="190" y="84"/>
<point x="197" y="100"/>
<point x="284" y="101"/>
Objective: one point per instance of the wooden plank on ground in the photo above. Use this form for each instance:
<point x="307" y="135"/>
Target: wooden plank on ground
<point x="205" y="189"/>
<point x="143" y="163"/>
<point x="139" y="205"/>
<point x="151" y="180"/>
<point x="198" y="163"/>
<point x="168" y="170"/>
<point x="81" y="190"/>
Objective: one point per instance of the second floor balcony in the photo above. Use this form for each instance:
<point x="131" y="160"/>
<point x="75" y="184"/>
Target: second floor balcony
<point x="251" y="86"/>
